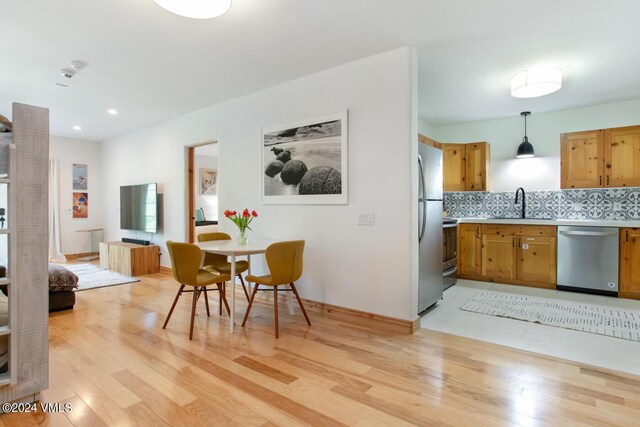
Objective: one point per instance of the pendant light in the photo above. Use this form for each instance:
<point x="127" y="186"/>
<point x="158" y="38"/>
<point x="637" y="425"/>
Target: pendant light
<point x="196" y="9"/>
<point x="525" y="149"/>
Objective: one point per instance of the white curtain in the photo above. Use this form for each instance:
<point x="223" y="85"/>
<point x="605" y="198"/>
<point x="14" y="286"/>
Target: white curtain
<point x="55" y="234"/>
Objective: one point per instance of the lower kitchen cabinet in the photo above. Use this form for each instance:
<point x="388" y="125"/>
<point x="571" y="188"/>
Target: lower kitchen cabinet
<point x="469" y="251"/>
<point x="629" y="263"/>
<point x="537" y="259"/>
<point x="513" y="254"/>
<point x="499" y="256"/>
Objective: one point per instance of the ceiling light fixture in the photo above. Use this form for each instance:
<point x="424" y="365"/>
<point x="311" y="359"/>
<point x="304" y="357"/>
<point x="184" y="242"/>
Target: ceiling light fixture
<point x="536" y="82"/>
<point x="196" y="9"/>
<point x="112" y="111"/>
<point x="525" y="149"/>
<point x="76" y="127"/>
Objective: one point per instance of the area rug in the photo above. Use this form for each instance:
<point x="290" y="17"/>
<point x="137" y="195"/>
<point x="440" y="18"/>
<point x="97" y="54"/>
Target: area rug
<point x="91" y="277"/>
<point x="596" y="319"/>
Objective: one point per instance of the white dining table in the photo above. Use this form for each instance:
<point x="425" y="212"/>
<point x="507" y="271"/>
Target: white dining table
<point x="232" y="249"/>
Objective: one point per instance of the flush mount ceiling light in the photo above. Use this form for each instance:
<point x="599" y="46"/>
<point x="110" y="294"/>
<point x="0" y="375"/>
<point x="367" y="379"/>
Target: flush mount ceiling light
<point x="196" y="9"/>
<point x="536" y="82"/>
<point x="525" y="149"/>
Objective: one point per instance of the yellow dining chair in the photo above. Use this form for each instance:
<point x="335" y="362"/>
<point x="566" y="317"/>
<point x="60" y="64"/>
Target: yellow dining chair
<point x="185" y="262"/>
<point x="219" y="263"/>
<point x="285" y="265"/>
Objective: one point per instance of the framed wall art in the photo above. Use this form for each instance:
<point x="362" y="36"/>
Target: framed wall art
<point x="80" y="177"/>
<point x="305" y="161"/>
<point x="80" y="205"/>
<point x="208" y="182"/>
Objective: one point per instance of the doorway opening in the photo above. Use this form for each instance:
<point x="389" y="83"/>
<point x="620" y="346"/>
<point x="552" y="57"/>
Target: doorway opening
<point x="203" y="189"/>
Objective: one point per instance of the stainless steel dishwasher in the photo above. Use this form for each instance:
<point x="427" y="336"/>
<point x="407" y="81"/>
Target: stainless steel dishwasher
<point x="588" y="259"/>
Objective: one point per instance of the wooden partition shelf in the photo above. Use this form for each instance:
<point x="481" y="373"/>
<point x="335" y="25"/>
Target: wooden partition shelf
<point x="130" y="259"/>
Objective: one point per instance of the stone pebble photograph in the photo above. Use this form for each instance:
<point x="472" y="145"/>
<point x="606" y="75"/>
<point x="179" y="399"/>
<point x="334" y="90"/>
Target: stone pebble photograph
<point x="304" y="160"/>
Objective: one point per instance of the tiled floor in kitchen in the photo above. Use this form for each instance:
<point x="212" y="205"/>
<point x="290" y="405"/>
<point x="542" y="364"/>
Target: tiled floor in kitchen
<point x="592" y="349"/>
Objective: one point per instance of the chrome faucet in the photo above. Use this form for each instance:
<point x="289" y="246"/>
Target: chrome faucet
<point x="520" y="189"/>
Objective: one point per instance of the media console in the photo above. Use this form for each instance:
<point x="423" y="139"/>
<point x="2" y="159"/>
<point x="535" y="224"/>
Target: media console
<point x="129" y="258"/>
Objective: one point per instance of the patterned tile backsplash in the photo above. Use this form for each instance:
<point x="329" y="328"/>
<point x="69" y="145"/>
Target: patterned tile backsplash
<point x="612" y="204"/>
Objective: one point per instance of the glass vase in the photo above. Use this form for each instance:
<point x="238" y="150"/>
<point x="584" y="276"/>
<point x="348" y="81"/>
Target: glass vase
<point x="242" y="237"/>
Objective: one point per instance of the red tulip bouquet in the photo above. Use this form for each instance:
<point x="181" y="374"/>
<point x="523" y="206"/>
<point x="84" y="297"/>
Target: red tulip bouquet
<point x="242" y="221"/>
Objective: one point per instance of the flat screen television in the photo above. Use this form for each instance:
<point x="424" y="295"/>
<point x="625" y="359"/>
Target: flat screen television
<point x="139" y="207"/>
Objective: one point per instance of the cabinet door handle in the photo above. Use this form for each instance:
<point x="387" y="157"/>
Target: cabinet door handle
<point x="600" y="179"/>
<point x="477" y="230"/>
<point x="513" y="242"/>
<point x="607" y="179"/>
<point x="626" y="233"/>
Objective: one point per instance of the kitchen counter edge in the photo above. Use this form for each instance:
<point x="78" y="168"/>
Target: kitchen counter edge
<point x="553" y="222"/>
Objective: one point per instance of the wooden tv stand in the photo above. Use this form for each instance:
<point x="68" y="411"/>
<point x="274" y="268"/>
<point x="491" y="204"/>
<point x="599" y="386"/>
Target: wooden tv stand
<point x="130" y="259"/>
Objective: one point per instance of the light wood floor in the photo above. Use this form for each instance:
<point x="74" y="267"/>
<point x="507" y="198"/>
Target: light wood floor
<point x="112" y="361"/>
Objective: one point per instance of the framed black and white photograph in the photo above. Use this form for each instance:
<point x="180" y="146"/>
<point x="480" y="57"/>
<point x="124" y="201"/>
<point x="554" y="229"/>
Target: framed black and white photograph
<point x="208" y="182"/>
<point x="305" y="161"/>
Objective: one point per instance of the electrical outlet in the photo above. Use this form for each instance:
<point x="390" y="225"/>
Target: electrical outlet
<point x="366" y="218"/>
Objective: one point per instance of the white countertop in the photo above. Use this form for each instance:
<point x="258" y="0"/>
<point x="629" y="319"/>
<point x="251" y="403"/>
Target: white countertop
<point x="534" y="221"/>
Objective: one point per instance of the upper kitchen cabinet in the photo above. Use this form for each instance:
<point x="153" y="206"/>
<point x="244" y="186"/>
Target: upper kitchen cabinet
<point x="454" y="168"/>
<point x="466" y="166"/>
<point x="582" y="160"/>
<point x="600" y="158"/>
<point x="428" y="141"/>
<point x="477" y="166"/>
<point x="622" y="157"/>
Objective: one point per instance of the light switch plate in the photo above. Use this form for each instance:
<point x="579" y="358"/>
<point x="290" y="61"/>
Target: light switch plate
<point x="366" y="218"/>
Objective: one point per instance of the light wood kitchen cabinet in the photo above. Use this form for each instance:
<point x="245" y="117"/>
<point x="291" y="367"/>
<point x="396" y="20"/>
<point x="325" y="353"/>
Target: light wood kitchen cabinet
<point x="466" y="166"/>
<point x="428" y="141"/>
<point x="629" y="263"/>
<point x="622" y="157"/>
<point x="499" y="256"/>
<point x="519" y="254"/>
<point x="582" y="159"/>
<point x="454" y="167"/>
<point x="469" y="251"/>
<point x="600" y="158"/>
<point x="477" y="166"/>
<point x="536" y="259"/>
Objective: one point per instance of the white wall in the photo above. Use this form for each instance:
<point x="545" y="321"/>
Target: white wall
<point x="544" y="129"/>
<point x="208" y="202"/>
<point x="426" y="129"/>
<point x="362" y="267"/>
<point x="71" y="151"/>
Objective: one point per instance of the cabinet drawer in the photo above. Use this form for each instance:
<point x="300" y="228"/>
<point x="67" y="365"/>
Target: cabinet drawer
<point x="520" y="230"/>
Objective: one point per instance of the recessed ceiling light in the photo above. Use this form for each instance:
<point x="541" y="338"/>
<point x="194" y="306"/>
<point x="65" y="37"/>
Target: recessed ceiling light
<point x="536" y="82"/>
<point x="196" y="9"/>
<point x="76" y="127"/>
<point x="112" y="111"/>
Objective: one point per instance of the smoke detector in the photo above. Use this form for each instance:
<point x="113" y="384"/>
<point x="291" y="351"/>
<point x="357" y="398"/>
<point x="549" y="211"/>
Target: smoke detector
<point x="67" y="72"/>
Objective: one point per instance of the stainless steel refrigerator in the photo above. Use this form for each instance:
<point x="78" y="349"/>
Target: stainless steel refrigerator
<point x="429" y="226"/>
